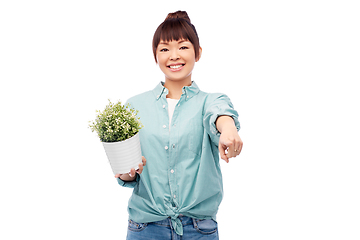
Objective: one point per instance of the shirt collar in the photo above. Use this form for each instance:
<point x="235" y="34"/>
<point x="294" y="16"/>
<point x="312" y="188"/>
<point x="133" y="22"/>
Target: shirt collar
<point x="189" y="91"/>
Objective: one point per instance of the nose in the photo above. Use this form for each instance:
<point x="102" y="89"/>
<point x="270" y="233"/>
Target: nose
<point x="174" y="55"/>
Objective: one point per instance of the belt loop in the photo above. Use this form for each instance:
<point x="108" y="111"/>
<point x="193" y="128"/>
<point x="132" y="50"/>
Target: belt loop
<point x="195" y="223"/>
<point x="171" y="226"/>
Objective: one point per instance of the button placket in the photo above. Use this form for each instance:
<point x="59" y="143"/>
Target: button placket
<point x="172" y="166"/>
<point x="172" y="152"/>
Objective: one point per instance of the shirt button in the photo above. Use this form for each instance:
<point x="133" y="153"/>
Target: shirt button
<point x="164" y="126"/>
<point x="172" y="171"/>
<point x="163" y="106"/>
<point x="166" y="147"/>
<point x="173" y="145"/>
<point x="174" y="196"/>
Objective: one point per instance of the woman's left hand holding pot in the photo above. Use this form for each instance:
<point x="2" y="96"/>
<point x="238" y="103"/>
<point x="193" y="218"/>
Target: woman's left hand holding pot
<point x="131" y="176"/>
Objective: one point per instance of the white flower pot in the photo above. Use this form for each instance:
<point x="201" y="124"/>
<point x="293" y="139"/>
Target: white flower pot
<point x="124" y="155"/>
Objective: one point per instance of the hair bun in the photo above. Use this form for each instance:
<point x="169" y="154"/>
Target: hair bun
<point x="178" y="14"/>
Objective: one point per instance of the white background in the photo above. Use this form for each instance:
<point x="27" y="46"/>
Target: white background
<point x="291" y="69"/>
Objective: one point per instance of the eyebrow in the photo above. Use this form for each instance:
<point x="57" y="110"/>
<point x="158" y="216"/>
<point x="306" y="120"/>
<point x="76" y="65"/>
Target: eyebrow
<point x="166" y="43"/>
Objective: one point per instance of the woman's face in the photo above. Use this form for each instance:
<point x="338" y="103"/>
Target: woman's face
<point x="176" y="59"/>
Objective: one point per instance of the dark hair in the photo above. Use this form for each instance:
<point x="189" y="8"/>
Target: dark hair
<point x="176" y="26"/>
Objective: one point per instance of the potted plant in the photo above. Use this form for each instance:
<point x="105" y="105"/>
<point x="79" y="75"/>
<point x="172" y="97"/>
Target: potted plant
<point x="118" y="129"/>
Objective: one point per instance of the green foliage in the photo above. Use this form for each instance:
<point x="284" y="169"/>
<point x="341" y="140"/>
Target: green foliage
<point x="116" y="123"/>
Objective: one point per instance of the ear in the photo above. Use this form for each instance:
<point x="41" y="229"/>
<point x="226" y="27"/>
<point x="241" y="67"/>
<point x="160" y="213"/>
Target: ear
<point x="200" y="52"/>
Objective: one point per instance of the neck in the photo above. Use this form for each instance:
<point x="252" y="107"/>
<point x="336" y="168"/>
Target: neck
<point x="175" y="87"/>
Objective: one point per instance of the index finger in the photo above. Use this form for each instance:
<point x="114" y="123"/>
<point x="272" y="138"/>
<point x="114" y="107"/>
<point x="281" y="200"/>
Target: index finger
<point x="141" y="168"/>
<point x="222" y="153"/>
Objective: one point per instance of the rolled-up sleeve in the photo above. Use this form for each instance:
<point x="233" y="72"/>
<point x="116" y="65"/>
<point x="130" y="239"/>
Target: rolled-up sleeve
<point x="131" y="184"/>
<point x="218" y="105"/>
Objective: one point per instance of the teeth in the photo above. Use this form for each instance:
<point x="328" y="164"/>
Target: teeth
<point x="176" y="66"/>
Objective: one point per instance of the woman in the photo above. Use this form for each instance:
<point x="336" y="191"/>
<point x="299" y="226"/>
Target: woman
<point x="178" y="188"/>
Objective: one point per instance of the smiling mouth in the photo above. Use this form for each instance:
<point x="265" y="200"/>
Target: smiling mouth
<point x="176" y="66"/>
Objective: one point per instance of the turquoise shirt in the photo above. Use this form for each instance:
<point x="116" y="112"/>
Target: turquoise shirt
<point x="182" y="173"/>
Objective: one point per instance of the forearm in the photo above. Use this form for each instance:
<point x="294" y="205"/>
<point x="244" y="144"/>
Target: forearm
<point x="225" y="123"/>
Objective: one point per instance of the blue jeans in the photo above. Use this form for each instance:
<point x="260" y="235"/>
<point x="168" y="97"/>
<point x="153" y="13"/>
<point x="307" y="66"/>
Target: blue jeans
<point x="194" y="229"/>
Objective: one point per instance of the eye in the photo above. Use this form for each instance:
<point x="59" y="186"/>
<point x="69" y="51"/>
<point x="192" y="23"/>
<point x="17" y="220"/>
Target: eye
<point x="164" y="50"/>
<point x="184" y="47"/>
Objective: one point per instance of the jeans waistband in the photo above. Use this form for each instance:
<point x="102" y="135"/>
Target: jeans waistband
<point x="166" y="222"/>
